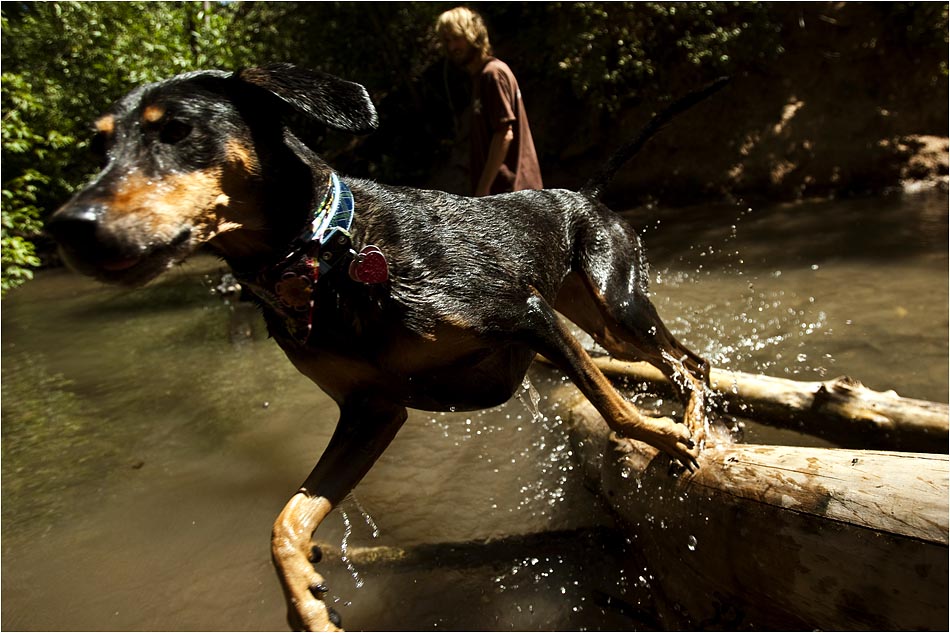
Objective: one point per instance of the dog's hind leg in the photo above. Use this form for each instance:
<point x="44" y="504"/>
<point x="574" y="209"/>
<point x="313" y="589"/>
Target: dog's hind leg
<point x="607" y="297"/>
<point x="365" y="429"/>
<point x="548" y="335"/>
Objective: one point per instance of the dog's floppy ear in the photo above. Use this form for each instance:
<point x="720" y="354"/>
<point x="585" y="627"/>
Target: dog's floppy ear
<point x="340" y="104"/>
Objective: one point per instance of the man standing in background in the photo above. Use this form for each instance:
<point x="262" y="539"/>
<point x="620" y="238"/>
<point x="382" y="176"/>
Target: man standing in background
<point x="503" y="157"/>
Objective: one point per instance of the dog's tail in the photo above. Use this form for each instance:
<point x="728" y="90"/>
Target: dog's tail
<point x="596" y="185"/>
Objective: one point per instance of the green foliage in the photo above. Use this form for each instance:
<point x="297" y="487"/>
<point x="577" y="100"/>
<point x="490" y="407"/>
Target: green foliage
<point x="614" y="51"/>
<point x="20" y="210"/>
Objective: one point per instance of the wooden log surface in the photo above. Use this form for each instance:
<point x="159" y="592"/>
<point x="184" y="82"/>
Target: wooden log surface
<point x="842" y="410"/>
<point x="778" y="536"/>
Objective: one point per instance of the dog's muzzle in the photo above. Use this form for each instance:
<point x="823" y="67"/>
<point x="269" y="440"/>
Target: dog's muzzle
<point x="91" y="247"/>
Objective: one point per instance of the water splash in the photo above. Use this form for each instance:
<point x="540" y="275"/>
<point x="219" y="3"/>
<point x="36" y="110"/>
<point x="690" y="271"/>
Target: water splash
<point x="539" y="468"/>
<point x="366" y="516"/>
<point x="227" y="287"/>
<point x="348" y="534"/>
<point x="344" y="550"/>
<point x="766" y="315"/>
<point x="680" y="373"/>
<point x="532" y="571"/>
<point x="530" y="398"/>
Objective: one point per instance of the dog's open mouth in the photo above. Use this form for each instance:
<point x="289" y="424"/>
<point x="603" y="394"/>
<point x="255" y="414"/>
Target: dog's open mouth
<point x="120" y="265"/>
<point x="123" y="265"/>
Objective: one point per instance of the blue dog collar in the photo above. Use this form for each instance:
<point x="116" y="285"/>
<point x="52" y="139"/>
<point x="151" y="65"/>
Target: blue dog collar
<point x="335" y="213"/>
<point x="328" y="233"/>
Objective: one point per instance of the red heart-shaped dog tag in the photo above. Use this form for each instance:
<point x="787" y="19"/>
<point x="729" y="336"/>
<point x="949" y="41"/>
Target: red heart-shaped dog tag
<point x="369" y="266"/>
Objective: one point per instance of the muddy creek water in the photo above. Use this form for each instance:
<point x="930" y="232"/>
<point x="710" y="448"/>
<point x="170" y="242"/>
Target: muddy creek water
<point x="151" y="436"/>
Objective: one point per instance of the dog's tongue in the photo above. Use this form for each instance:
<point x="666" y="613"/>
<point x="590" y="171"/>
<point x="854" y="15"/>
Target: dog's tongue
<point x="120" y="264"/>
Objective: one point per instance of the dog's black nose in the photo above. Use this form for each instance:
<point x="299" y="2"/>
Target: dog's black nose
<point x="75" y="224"/>
<point x="87" y="245"/>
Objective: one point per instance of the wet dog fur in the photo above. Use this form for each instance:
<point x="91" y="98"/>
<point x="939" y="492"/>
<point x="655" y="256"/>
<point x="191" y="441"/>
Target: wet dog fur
<point x="474" y="289"/>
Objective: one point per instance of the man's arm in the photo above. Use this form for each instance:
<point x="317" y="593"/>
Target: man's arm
<point x="500" y="142"/>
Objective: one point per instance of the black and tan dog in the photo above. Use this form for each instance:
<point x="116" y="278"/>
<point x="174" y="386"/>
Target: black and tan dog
<point x="385" y="297"/>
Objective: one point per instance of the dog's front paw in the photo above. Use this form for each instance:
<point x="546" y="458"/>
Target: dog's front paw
<point x="310" y="612"/>
<point x="294" y="558"/>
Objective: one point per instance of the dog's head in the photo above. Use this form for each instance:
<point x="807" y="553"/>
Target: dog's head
<point x="186" y="162"/>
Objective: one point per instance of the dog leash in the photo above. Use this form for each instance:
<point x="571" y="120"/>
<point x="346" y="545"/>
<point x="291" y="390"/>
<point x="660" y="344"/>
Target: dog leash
<point x="288" y="287"/>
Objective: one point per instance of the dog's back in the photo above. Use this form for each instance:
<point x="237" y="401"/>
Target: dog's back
<point x="454" y="254"/>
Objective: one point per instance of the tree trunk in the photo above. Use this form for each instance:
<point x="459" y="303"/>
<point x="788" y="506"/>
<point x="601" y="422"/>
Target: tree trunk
<point x="776" y="536"/>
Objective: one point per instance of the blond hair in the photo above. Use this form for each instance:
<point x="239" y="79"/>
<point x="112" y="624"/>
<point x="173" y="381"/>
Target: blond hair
<point x="465" y="22"/>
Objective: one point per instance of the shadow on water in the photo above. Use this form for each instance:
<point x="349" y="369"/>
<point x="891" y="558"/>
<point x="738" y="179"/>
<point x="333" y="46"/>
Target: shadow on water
<point x="151" y="436"/>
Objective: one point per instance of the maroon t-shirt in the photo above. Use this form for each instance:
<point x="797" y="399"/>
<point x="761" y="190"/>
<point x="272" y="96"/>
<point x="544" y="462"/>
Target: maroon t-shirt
<point x="496" y="103"/>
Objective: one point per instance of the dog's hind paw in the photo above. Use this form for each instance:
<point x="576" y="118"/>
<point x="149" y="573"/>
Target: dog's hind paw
<point x="695" y="418"/>
<point x="674" y="439"/>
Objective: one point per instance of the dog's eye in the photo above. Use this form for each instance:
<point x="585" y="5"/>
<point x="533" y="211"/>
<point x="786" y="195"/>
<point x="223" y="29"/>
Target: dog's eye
<point x="174" y="131"/>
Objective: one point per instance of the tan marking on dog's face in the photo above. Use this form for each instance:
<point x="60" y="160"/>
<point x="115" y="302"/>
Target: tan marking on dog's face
<point x="242" y="157"/>
<point x="105" y="124"/>
<point x="153" y="114"/>
<point x="240" y="224"/>
<point x="150" y="210"/>
<point x="215" y="204"/>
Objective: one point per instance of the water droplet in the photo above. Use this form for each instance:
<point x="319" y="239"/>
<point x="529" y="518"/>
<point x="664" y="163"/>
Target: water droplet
<point x="344" y="549"/>
<point x="530" y="398"/>
<point x="366" y="517"/>
<point x="691" y="543"/>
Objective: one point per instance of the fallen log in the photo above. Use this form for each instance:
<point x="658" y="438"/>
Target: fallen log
<point x="842" y="410"/>
<point x="779" y="537"/>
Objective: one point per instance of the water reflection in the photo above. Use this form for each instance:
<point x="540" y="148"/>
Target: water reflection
<point x="151" y="436"/>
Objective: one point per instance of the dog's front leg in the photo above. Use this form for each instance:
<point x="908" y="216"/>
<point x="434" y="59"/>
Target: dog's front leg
<point x="290" y="542"/>
<point x="365" y="429"/>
